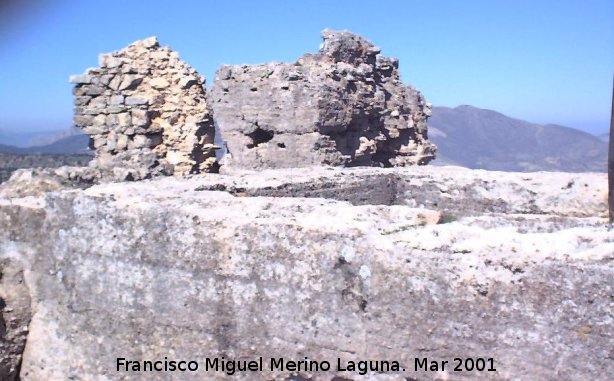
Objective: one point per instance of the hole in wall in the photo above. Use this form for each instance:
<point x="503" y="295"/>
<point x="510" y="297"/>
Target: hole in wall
<point x="259" y="136"/>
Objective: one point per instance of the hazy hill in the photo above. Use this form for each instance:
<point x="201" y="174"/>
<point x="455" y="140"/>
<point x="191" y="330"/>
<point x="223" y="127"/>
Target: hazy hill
<point x="605" y="136"/>
<point x="9" y="149"/>
<point x="23" y="139"/>
<point x="67" y="145"/>
<point x="478" y="138"/>
<point x="71" y="150"/>
<point x="54" y="136"/>
<point x="75" y="144"/>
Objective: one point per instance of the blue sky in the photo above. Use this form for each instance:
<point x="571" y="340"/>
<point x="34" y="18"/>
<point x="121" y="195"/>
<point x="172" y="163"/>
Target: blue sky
<point x="542" y="61"/>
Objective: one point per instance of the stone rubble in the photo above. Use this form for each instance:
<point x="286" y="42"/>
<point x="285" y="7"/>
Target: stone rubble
<point x="146" y="114"/>
<point x="343" y="106"/>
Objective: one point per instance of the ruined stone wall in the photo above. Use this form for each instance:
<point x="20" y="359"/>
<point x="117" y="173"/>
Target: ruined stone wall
<point x="146" y="114"/>
<point x="344" y="106"/>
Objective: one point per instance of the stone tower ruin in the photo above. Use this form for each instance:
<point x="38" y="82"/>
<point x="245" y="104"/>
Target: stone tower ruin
<point x="146" y="114"/>
<point x="343" y="106"/>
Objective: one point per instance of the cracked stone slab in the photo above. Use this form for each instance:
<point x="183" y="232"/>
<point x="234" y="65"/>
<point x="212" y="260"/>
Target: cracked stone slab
<point x="189" y="266"/>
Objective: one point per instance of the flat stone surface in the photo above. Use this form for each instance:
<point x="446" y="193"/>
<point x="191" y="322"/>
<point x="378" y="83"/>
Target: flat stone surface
<point x="175" y="268"/>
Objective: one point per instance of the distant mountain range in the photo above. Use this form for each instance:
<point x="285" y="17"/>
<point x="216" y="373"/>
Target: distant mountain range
<point x="26" y="138"/>
<point x="478" y="138"/>
<point x="71" y="150"/>
<point x="466" y="136"/>
<point x="72" y="144"/>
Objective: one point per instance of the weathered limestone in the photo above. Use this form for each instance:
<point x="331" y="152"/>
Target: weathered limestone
<point x="38" y="181"/>
<point x="15" y="314"/>
<point x="146" y="114"/>
<point x="343" y="106"/>
<point x="454" y="191"/>
<point x="196" y="268"/>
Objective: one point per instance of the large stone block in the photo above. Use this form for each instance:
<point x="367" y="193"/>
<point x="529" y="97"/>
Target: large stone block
<point x="195" y="268"/>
